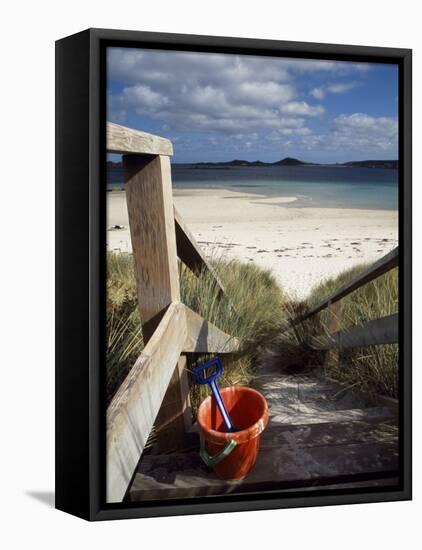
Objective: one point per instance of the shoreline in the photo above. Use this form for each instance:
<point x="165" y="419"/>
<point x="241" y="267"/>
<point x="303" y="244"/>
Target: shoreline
<point x="307" y="202"/>
<point x="301" y="245"/>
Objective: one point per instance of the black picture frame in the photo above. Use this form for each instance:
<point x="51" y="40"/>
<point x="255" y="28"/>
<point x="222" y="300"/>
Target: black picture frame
<point x="80" y="271"/>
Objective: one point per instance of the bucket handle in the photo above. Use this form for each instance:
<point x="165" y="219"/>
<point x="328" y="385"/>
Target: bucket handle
<point x="212" y="461"/>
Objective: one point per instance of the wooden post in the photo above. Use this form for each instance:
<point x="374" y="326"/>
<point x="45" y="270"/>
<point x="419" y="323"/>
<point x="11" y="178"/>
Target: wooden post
<point x="333" y="325"/>
<point x="134" y="408"/>
<point x="150" y="209"/>
<point x="151" y="220"/>
<point x="174" y="418"/>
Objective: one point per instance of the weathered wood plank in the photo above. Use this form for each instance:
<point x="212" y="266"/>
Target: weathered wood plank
<point x="381" y="266"/>
<point x="333" y="325"/>
<point x="126" y="140"/>
<point x="347" y="430"/>
<point x="355" y="446"/>
<point x="377" y="332"/>
<point x="334" y="309"/>
<point x="150" y="209"/>
<point x="392" y="482"/>
<point x="132" y="412"/>
<point x="315" y="415"/>
<point x="151" y="220"/>
<point x="291" y="397"/>
<point x="190" y="252"/>
<point x="204" y="337"/>
<point x="282" y="467"/>
<point x="367" y="430"/>
<point x="384" y="264"/>
<point x="175" y="416"/>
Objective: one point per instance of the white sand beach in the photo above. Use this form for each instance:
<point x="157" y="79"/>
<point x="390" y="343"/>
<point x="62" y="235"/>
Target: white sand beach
<point x="302" y="246"/>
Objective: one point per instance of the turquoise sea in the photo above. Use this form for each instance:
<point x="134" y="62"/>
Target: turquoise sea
<point x="314" y="186"/>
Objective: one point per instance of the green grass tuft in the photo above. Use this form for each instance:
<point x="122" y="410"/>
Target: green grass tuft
<point x="254" y="312"/>
<point x="372" y="369"/>
<point x="124" y="334"/>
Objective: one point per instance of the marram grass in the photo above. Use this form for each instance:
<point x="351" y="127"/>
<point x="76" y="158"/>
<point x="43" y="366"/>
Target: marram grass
<point x="372" y="369"/>
<point x="254" y="312"/>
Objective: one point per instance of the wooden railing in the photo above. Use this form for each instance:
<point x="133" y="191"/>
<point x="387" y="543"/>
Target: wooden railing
<point x="376" y="332"/>
<point x="156" y="390"/>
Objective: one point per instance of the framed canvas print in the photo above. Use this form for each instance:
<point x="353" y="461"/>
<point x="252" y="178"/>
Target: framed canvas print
<point x="233" y="274"/>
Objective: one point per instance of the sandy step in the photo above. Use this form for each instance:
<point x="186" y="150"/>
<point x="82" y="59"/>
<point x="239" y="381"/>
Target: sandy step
<point x="320" y="435"/>
<point x="305" y="393"/>
<point x="316" y="416"/>
<point x="303" y="457"/>
<point x="368" y="430"/>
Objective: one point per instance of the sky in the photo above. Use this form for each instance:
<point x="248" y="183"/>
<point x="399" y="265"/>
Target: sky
<point x="220" y="107"/>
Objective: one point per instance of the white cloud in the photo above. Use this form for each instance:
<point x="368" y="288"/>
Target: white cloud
<point x="115" y="112"/>
<point x="129" y="65"/>
<point x="337" y="88"/>
<point x="302" y="108"/>
<point x="359" y="132"/>
<point x="145" y="97"/>
<point x="341" y="88"/>
<point x="223" y="97"/>
<point x="214" y="92"/>
<point x="318" y="65"/>
<point x="358" y="135"/>
<point x="264" y="93"/>
<point x="317" y="93"/>
<point x="367" y="125"/>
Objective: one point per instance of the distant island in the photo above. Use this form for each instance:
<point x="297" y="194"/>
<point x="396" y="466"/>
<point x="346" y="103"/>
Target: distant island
<point x="393" y="164"/>
<point x="288" y="161"/>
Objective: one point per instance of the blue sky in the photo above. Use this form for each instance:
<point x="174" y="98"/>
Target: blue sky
<point x="218" y="107"/>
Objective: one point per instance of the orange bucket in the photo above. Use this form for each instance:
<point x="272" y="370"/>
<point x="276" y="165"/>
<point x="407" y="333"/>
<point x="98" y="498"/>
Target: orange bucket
<point x="232" y="455"/>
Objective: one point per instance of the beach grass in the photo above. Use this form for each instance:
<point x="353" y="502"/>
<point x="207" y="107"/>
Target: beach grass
<point x="124" y="334"/>
<point x="253" y="312"/>
<point x="372" y="369"/>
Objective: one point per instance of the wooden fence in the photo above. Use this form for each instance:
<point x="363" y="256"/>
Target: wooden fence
<point x="379" y="331"/>
<point x="156" y="390"/>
